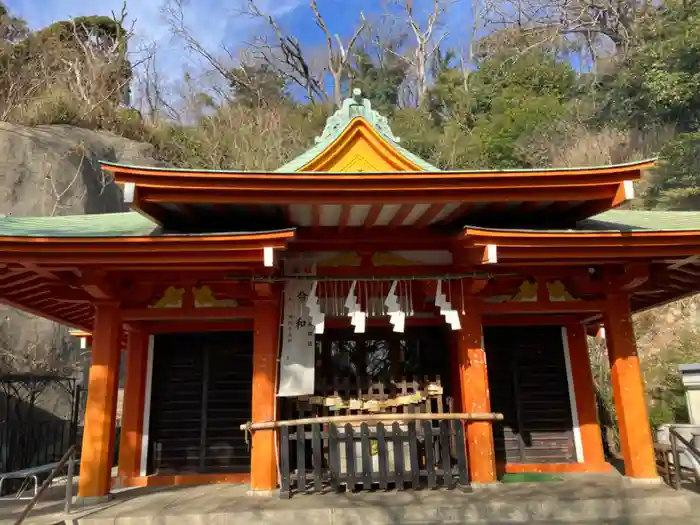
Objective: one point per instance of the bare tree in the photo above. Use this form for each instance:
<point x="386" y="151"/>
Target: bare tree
<point x="427" y="42"/>
<point x="285" y="54"/>
<point x="591" y="23"/>
<point x="151" y="97"/>
<point x="338" y="56"/>
<point x="32" y="345"/>
<point x="478" y="12"/>
<point x="99" y="72"/>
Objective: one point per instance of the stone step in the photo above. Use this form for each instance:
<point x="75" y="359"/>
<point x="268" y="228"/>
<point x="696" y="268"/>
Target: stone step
<point x="629" y="508"/>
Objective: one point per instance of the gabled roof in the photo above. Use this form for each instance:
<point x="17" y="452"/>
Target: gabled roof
<point x="336" y="125"/>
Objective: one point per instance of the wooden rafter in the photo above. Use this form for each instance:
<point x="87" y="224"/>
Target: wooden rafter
<point x="373" y="215"/>
<point x="344" y="218"/>
<point x="400" y="215"/>
<point x="428" y="216"/>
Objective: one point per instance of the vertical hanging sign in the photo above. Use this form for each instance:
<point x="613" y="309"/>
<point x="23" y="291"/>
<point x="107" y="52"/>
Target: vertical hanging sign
<point x="297" y="361"/>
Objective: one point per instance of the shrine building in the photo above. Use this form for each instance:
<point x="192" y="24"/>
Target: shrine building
<point x="433" y="323"/>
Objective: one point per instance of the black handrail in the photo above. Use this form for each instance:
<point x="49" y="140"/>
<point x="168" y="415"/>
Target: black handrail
<point x="674" y="437"/>
<point x="67" y="458"/>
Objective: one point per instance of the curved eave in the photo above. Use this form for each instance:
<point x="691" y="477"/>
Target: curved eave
<point x="528" y="245"/>
<point x="338" y="187"/>
<point x="172" y="249"/>
<point x="123" y="170"/>
<point x="140" y="243"/>
<point x="568" y="194"/>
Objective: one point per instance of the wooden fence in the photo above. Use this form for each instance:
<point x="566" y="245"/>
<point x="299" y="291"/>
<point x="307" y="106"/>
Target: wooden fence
<point x="362" y="452"/>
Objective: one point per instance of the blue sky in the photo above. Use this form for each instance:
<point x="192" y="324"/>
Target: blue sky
<point x="212" y="22"/>
<point x="216" y="23"/>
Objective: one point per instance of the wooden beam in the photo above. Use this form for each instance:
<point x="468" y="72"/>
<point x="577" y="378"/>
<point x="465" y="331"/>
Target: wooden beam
<point x="369" y="195"/>
<point x="405" y="237"/>
<point x="154" y="213"/>
<point x="530" y="320"/>
<point x="195" y="179"/>
<point x="183" y="257"/>
<point x="460" y="211"/>
<point x="552" y="307"/>
<point x="586" y="253"/>
<point x="162" y="327"/>
<point x="400" y="215"/>
<point x="628" y="277"/>
<point x="373" y="215"/>
<point x="428" y="216"/>
<point x="176" y="314"/>
<point x="344" y="216"/>
<point x="141" y="245"/>
<point x="315" y="215"/>
<point x="98" y="285"/>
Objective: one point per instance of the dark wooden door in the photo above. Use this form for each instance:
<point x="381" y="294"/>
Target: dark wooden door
<point x="528" y="384"/>
<point x="382" y="355"/>
<point x="201" y="394"/>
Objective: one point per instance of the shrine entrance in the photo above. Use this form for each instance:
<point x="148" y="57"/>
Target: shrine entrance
<point x="379" y="371"/>
<point x="201" y="394"/>
<point x="529" y="383"/>
<point x="399" y="385"/>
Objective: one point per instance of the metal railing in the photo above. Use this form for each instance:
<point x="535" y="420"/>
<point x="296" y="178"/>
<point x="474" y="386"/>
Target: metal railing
<point x="68" y="460"/>
<point x="669" y="464"/>
<point x="361" y="451"/>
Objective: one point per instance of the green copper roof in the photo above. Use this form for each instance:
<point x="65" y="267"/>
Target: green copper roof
<point x="354" y="107"/>
<point x="133" y="224"/>
<point x="632" y="220"/>
<point x="102" y="225"/>
<point x="129" y="224"/>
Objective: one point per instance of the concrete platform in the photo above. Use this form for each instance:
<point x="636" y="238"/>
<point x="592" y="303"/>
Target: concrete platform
<point x="582" y="499"/>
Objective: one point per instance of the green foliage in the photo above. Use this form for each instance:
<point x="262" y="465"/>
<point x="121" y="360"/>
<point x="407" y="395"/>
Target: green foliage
<point x="12" y="28"/>
<point x="507" y="101"/>
<point x="258" y="86"/>
<point x="676" y="183"/>
<point x="381" y="81"/>
<point x="657" y="82"/>
<point x="667" y="401"/>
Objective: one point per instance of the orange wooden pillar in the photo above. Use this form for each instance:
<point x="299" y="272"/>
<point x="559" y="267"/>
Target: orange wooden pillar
<point x="132" y="413"/>
<point x="263" y="461"/>
<point x="586" y="406"/>
<point x="475" y="395"/>
<point x="101" y="409"/>
<point x="628" y="390"/>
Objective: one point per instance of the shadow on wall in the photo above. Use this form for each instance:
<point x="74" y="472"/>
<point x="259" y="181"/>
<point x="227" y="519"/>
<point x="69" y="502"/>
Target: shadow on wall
<point x="102" y="194"/>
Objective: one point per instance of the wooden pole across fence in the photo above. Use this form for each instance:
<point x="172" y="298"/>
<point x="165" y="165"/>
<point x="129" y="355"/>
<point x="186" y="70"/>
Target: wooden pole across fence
<point x="373" y="418"/>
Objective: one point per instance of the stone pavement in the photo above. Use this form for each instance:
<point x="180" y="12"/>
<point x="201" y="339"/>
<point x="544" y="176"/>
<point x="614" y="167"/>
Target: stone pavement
<point x="579" y="500"/>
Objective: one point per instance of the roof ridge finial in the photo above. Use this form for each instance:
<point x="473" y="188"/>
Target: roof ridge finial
<point x="357" y="95"/>
<point x="356" y="106"/>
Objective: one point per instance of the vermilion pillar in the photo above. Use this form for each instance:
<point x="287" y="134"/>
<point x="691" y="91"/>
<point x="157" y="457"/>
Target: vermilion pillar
<point x="475" y="395"/>
<point x="132" y="412"/>
<point x="263" y="463"/>
<point x="586" y="406"/>
<point x="101" y="409"/>
<point x="628" y="390"/>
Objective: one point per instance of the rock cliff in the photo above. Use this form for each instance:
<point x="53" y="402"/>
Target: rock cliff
<point x="54" y="170"/>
